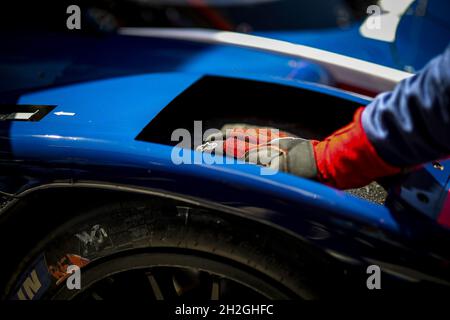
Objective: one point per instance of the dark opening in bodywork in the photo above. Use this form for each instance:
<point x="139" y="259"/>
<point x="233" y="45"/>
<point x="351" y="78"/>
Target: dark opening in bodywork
<point x="218" y="100"/>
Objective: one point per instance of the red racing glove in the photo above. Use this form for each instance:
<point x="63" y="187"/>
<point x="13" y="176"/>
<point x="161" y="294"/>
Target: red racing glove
<point x="268" y="147"/>
<point x="345" y="159"/>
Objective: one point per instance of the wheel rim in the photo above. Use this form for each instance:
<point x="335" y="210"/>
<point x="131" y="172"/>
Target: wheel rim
<point x="172" y="276"/>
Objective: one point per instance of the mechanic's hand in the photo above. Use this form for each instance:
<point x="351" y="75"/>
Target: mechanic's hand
<point x="345" y="159"/>
<point x="268" y="147"/>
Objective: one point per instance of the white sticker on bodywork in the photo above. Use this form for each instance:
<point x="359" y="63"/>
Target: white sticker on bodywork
<point x="384" y="19"/>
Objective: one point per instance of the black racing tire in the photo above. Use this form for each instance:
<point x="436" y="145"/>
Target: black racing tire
<point x="134" y="235"/>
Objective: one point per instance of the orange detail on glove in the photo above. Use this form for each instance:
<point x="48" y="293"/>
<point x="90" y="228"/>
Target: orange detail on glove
<point x="347" y="159"/>
<point x="240" y="141"/>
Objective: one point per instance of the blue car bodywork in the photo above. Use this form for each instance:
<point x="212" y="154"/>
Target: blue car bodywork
<point x="88" y="139"/>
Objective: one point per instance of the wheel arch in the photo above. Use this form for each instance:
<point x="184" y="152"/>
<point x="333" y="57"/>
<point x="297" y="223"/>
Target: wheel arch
<point x="42" y="206"/>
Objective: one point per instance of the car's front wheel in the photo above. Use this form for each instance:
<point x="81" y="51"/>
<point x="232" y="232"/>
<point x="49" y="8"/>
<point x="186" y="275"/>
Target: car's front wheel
<point x="163" y="250"/>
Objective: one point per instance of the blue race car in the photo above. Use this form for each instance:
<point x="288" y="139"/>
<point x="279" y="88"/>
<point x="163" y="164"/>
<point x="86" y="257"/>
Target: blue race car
<point x="90" y="139"/>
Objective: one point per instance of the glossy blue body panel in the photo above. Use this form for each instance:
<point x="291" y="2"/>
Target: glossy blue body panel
<point x="44" y="62"/>
<point x="109" y="114"/>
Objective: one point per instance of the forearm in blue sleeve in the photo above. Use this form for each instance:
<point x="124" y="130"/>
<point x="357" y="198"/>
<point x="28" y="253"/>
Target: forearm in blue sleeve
<point x="411" y="124"/>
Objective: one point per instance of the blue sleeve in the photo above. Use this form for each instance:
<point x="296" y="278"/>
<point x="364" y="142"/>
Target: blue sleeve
<point x="411" y="124"/>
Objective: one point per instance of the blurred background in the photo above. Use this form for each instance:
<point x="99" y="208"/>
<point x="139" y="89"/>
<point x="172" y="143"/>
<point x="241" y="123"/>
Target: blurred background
<point x="236" y="15"/>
